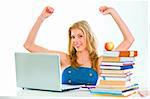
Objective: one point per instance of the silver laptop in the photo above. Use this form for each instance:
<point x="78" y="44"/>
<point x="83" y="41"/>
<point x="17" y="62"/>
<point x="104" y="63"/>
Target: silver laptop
<point x="40" y="71"/>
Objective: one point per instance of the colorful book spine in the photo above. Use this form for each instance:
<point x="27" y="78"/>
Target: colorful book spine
<point x="116" y="75"/>
<point x="114" y="89"/>
<point x="120" y="53"/>
<point x="116" y="71"/>
<point x="114" y="86"/>
<point x="117" y="59"/>
<point x="118" y="63"/>
<point x="116" y="83"/>
<point x="116" y="67"/>
<point x="127" y="78"/>
<point x="115" y="92"/>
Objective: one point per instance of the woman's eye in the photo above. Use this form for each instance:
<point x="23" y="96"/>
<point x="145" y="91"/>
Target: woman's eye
<point x="80" y="36"/>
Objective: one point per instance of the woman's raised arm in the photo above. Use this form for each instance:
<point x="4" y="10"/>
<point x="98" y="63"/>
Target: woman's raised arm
<point x="30" y="41"/>
<point x="128" y="38"/>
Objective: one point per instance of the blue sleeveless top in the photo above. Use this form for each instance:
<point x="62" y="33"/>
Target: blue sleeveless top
<point x="79" y="76"/>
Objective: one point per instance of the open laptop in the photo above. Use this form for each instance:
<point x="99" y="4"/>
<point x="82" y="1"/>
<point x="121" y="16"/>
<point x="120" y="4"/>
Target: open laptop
<point x="40" y="71"/>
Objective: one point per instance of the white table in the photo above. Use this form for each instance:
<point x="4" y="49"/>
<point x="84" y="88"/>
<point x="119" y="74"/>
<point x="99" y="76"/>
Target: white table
<point x="83" y="93"/>
<point x="72" y="94"/>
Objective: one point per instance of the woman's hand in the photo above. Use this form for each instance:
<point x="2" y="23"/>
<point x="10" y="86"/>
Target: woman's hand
<point x="106" y="10"/>
<point x="47" y="11"/>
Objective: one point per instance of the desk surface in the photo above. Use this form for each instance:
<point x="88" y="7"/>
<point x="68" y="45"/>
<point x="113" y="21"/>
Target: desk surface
<point x="71" y="93"/>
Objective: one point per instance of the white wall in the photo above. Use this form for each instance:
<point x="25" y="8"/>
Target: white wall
<point x="18" y="16"/>
<point x="148" y="43"/>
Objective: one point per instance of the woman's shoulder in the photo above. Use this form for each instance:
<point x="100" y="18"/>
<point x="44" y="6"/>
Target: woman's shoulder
<point x="65" y="60"/>
<point x="100" y="58"/>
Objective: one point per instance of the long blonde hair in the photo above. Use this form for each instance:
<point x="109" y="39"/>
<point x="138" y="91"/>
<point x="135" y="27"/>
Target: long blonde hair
<point x="90" y="44"/>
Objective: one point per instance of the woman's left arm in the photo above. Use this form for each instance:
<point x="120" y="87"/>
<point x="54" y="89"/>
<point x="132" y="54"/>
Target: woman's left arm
<point x="128" y="38"/>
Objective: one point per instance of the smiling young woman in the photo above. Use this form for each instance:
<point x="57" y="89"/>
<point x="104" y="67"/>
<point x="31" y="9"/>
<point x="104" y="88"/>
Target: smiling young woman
<point x="81" y="63"/>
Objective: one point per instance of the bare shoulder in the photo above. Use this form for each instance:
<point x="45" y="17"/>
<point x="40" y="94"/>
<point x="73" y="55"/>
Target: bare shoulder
<point x="100" y="58"/>
<point x="99" y="63"/>
<point x="65" y="60"/>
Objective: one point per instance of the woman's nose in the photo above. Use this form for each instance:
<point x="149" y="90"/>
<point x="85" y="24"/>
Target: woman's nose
<point x="75" y="39"/>
<point x="76" y="43"/>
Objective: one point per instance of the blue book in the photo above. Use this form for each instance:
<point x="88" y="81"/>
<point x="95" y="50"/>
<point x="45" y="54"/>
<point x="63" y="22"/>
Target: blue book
<point x="113" y="92"/>
<point x="116" y="67"/>
<point x="103" y="92"/>
<point x="118" y="63"/>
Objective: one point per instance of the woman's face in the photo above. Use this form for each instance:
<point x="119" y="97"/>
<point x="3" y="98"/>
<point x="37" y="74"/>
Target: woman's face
<point x="78" y="39"/>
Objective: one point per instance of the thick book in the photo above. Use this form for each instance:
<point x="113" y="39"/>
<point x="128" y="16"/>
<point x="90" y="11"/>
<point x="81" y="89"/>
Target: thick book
<point x="113" y="89"/>
<point x="118" y="59"/>
<point x="126" y="92"/>
<point x="112" y="96"/>
<point x="120" y="53"/>
<point x="127" y="78"/>
<point x="115" y="67"/>
<point x="134" y="85"/>
<point x="116" y="75"/>
<point x="116" y="83"/>
<point x="116" y="71"/>
<point x="118" y="63"/>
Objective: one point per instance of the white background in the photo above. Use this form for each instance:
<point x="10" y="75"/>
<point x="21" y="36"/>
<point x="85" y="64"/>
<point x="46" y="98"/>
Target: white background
<point x="18" y="16"/>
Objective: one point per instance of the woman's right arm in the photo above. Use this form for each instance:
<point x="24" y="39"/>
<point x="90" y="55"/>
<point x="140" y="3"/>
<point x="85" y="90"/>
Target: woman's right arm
<point x="30" y="41"/>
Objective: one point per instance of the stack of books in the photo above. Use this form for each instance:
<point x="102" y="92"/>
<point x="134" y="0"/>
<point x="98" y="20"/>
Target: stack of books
<point x="116" y="70"/>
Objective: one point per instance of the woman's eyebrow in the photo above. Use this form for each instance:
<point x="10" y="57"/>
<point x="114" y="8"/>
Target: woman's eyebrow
<point x="80" y="33"/>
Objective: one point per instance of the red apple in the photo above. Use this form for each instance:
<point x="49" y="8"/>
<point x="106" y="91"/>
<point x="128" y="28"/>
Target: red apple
<point x="109" y="46"/>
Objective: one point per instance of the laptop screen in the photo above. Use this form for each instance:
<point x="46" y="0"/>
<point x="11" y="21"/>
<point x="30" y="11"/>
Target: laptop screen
<point x="38" y="71"/>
